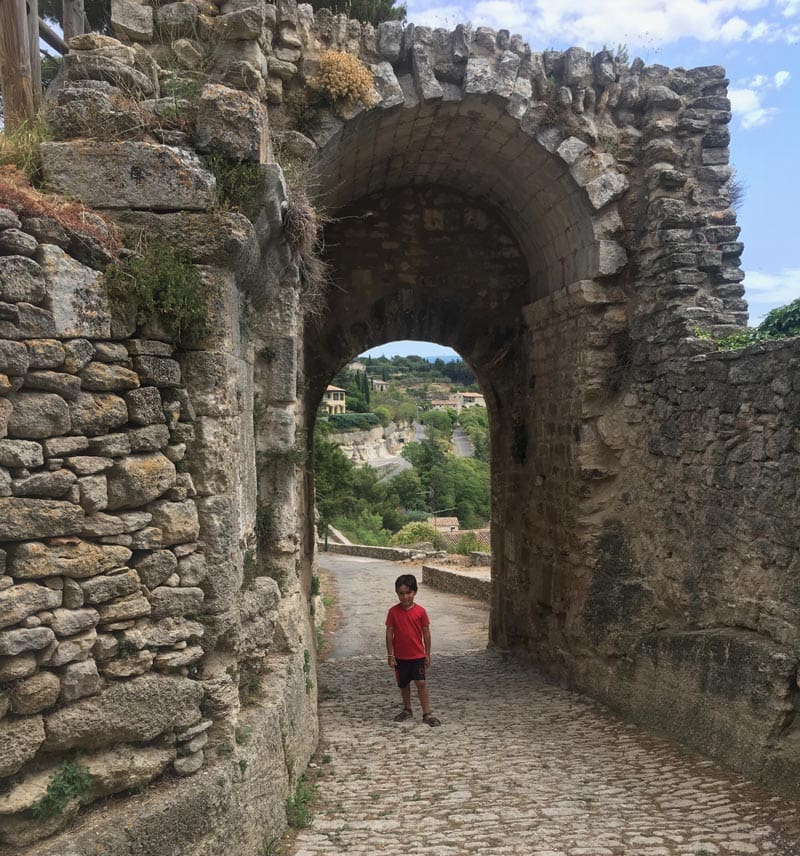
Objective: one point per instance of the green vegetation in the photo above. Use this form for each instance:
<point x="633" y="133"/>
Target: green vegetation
<point x="417" y="533"/>
<point x="72" y="781"/>
<point x="372" y="11"/>
<point x="298" y="805"/>
<point x="240" y="185"/>
<point x="161" y="284"/>
<point x="353" y="421"/>
<point x="20" y="148"/>
<point x="783" y="322"/>
<point x="475" y="422"/>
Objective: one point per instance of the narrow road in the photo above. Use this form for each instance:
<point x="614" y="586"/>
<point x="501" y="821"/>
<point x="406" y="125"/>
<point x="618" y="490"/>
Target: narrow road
<point x="519" y="765"/>
<point x="461" y="443"/>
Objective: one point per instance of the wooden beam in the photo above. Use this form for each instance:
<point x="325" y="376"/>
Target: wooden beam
<point x="52" y="38"/>
<point x="15" y="64"/>
<point x="32" y="24"/>
<point x="73" y="18"/>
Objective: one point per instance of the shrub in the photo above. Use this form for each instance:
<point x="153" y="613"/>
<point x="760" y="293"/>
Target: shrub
<point x="466" y="544"/>
<point x="70" y="782"/>
<point x="416" y="533"/>
<point x="344" y="78"/>
<point x="163" y="285"/>
<point x="20" y="147"/>
<point x="373" y="11"/>
<point x="353" y="421"/>
<point x="298" y="806"/>
<point x="240" y="185"/>
<point x="384" y="414"/>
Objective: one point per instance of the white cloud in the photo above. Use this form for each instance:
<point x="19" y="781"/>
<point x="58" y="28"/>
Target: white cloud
<point x="639" y="23"/>
<point x="746" y="104"/>
<point x="781" y="78"/>
<point x="765" y="291"/>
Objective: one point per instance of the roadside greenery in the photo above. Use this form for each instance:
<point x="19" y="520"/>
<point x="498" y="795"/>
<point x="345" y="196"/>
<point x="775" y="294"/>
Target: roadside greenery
<point x="372" y="11"/>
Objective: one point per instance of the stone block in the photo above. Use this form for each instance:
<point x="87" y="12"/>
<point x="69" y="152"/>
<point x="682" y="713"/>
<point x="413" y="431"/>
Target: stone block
<point x="192" y="569"/>
<point x="21" y="280"/>
<point x="132" y="20"/>
<point x="103" y="588"/>
<point x="156" y="567"/>
<point x="73" y="649"/>
<point x="72" y="558"/>
<point x="20" y="740"/>
<point x="110" y="445"/>
<point x="93" y="493"/>
<point x="13" y="642"/>
<point x="14" y="357"/>
<point x="68" y="622"/>
<point x="52" y="485"/>
<point x="137" y="710"/>
<point x="164" y="632"/>
<point x="177" y="520"/>
<point x="97" y="413"/>
<point x="144" y="406"/>
<point x="79" y="680"/>
<point x="104" y="377"/>
<point x="124" y="608"/>
<point x="37" y="415"/>
<point x="129" y="667"/>
<point x="138" y="479"/>
<point x="167" y="601"/>
<point x="151" y="438"/>
<point x="35" y="694"/>
<point x="65" y="385"/>
<point x="21" y="519"/>
<point x="20" y="601"/>
<point x="157" y="371"/>
<point x="128" y="174"/>
<point x="233" y="123"/>
<point x="75" y="295"/>
<point x="77" y="354"/>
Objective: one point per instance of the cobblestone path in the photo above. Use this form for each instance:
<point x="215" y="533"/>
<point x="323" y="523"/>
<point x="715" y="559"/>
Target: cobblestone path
<point x="519" y="766"/>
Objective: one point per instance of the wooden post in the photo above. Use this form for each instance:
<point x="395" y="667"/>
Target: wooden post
<point x="34" y="53"/>
<point x="15" y="64"/>
<point x="72" y="11"/>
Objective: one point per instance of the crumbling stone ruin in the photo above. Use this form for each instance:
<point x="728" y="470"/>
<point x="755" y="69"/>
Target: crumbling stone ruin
<point x="562" y="219"/>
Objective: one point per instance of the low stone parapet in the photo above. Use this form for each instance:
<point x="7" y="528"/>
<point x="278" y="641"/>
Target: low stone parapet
<point x="471" y="583"/>
<point x="389" y="554"/>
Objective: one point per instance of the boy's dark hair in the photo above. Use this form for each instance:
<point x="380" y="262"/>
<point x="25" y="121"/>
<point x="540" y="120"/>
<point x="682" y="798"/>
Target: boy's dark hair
<point x="408" y="580"/>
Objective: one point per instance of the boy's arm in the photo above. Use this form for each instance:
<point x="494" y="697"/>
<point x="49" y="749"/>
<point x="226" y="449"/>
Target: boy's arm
<point x="426" y="638"/>
<point x="390" y="645"/>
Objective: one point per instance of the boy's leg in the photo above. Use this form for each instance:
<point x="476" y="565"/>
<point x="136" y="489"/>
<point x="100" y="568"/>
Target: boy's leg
<point x="427" y="716"/>
<point x="405" y="693"/>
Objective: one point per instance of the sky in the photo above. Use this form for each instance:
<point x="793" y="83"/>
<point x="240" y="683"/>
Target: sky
<point x="758" y="43"/>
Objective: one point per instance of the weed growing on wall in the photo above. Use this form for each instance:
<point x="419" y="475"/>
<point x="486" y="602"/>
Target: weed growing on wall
<point x="783" y="322"/>
<point x="298" y="805"/>
<point x="240" y="185"/>
<point x="303" y="110"/>
<point x="70" y="782"/>
<point x="161" y="284"/>
<point x="26" y="201"/>
<point x="343" y="78"/>
<point x="20" y="148"/>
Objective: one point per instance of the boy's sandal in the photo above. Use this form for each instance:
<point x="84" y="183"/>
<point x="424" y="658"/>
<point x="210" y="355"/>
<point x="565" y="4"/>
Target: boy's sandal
<point x="404" y="714"/>
<point x="430" y="719"/>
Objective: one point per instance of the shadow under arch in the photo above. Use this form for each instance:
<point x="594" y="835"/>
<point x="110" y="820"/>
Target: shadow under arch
<point x="455" y="222"/>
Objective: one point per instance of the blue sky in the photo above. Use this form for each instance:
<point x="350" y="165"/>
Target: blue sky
<point x="757" y="41"/>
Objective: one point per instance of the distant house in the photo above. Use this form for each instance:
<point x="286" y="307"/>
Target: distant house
<point x="470" y="399"/>
<point x="334" y="400"/>
<point x="357" y="366"/>
<point x="444" y="403"/>
<point x="380" y="385"/>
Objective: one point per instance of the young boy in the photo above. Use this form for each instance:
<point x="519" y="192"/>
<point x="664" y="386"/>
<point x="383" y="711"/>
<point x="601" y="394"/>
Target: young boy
<point x="408" y="644"/>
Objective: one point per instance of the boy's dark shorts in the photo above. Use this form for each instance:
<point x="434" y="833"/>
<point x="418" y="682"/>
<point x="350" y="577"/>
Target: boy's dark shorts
<point x="409" y="670"/>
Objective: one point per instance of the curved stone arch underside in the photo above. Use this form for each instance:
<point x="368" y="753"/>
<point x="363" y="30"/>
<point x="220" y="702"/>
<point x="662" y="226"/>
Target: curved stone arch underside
<point x="557" y="194"/>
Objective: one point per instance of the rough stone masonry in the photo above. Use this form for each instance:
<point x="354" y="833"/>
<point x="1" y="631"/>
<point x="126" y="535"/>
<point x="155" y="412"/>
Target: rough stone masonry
<point x="562" y="219"/>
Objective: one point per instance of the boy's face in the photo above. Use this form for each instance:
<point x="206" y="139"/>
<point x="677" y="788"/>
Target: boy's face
<point x="406" y="596"/>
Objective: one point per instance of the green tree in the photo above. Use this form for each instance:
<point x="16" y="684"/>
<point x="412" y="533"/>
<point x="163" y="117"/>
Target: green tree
<point x="371" y="11"/>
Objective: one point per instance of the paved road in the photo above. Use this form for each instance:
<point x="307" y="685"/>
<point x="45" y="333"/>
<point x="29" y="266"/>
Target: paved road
<point x="519" y="766"/>
<point x="462" y="444"/>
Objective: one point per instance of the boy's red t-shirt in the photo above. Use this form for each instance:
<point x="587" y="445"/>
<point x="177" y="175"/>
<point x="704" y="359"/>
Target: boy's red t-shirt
<point x="407" y="625"/>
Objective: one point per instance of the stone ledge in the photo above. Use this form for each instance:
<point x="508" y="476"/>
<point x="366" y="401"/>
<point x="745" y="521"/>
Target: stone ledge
<point x="470" y="582"/>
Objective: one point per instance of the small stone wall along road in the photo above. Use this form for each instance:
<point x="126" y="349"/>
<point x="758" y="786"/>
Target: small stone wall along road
<point x="519" y="765"/>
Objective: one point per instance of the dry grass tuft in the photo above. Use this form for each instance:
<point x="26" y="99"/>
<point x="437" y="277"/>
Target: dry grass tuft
<point x="302" y="226"/>
<point x="343" y="77"/>
<point x="26" y="201"/>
